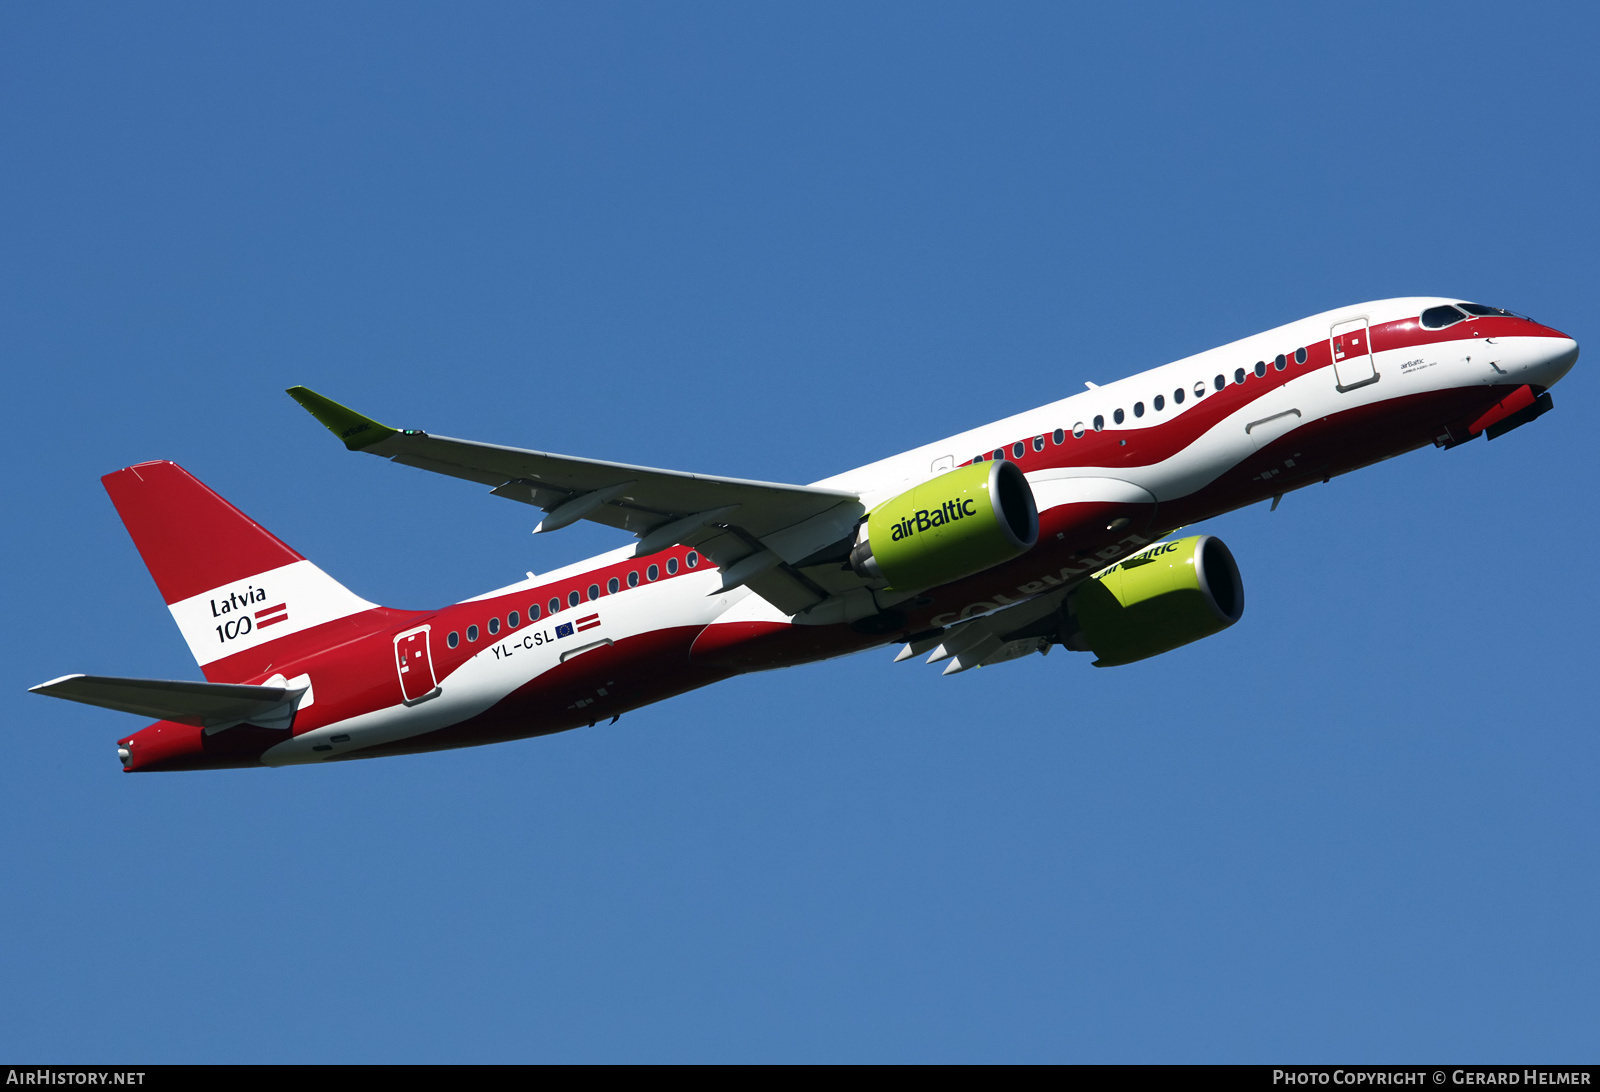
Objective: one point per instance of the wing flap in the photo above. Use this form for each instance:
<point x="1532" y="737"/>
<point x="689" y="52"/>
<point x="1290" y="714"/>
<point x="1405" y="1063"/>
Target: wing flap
<point x="764" y="507"/>
<point x="1006" y="634"/>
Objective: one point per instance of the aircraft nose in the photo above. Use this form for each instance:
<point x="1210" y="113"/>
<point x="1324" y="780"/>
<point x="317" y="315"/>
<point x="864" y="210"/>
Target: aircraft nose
<point x="1558" y="361"/>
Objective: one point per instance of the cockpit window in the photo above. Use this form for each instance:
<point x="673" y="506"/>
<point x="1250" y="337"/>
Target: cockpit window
<point x="1437" y="318"/>
<point x="1484" y="311"/>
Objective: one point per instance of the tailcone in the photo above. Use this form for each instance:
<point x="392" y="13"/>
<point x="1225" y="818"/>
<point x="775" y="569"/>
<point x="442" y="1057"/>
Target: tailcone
<point x="167" y="745"/>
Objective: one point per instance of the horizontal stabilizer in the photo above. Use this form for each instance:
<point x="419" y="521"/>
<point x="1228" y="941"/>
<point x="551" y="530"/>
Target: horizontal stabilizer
<point x="202" y="704"/>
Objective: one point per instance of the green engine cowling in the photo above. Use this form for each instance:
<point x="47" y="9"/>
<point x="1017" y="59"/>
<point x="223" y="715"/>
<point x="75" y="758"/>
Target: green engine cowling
<point x="1157" y="600"/>
<point x="959" y="523"/>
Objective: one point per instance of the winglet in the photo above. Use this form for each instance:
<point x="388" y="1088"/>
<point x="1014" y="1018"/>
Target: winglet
<point x="356" y="431"/>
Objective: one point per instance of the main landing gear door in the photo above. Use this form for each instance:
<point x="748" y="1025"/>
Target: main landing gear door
<point x="414" y="659"/>
<point x="1352" y="355"/>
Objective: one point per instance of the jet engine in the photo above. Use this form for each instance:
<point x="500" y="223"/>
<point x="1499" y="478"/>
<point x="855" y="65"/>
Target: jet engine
<point x="1157" y="600"/>
<point x="959" y="523"/>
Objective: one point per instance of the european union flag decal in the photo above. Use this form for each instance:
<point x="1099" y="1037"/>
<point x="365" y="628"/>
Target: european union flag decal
<point x="564" y="630"/>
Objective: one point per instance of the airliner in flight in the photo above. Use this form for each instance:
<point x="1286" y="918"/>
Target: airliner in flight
<point x="1050" y="527"/>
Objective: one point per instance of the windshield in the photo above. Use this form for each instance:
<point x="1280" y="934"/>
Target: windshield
<point x="1482" y="310"/>
<point x="1437" y="318"/>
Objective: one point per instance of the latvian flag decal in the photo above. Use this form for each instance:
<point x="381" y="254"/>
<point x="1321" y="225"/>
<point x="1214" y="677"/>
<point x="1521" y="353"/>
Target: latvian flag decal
<point x="271" y="616"/>
<point x="589" y="622"/>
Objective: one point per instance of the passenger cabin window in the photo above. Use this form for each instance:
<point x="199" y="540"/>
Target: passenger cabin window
<point x="494" y="626"/>
<point x="1300" y="355"/>
<point x="652" y="572"/>
<point x="472" y="633"/>
<point x="1280" y="362"/>
<point x="1138" y="409"/>
<point x="573" y="598"/>
<point x="1200" y="388"/>
<point x="513" y="619"/>
<point x="1017" y="449"/>
<point x="594" y="592"/>
<point x="999" y="456"/>
<point x="1038" y="443"/>
<point x="533" y="612"/>
<point x="1261" y="368"/>
<point x="1077" y="430"/>
<point x="1177" y="397"/>
<point x="1118" y="416"/>
<point x="1058" y="437"/>
<point x="633" y="580"/>
<point x="1220" y="382"/>
<point x="672" y="566"/>
<point x="1160" y="402"/>
<point x="453" y="640"/>
<point x="555" y="605"/>
<point x="613" y="585"/>
<point x="692" y="560"/>
<point x="1238" y="375"/>
<point x="1437" y="318"/>
<point x="1099" y="423"/>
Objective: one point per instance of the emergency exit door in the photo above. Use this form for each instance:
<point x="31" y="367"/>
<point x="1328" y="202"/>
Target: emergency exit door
<point x="414" y="660"/>
<point x="1352" y="355"/>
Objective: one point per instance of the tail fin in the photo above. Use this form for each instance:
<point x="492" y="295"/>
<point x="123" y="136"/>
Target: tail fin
<point x="231" y="585"/>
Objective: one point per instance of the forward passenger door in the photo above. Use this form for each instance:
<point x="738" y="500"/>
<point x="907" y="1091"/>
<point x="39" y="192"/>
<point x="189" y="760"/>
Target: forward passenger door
<point x="1352" y="355"/>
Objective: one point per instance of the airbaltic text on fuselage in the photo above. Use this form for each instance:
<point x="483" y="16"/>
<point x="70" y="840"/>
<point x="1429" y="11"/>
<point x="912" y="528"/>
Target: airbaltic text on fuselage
<point x="948" y="512"/>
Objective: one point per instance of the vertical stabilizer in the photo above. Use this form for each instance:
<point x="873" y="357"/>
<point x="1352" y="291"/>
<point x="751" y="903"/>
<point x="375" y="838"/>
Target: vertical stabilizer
<point x="231" y="585"/>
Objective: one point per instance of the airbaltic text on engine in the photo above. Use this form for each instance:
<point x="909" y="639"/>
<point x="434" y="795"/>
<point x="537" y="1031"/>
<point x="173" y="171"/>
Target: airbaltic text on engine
<point x="948" y="512"/>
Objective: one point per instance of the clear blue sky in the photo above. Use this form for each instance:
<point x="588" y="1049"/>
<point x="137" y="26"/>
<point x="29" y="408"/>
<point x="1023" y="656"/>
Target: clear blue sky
<point x="777" y="241"/>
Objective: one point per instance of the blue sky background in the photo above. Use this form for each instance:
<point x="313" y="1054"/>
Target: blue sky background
<point x="776" y="242"/>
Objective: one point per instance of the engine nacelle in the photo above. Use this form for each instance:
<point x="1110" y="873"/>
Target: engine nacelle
<point x="959" y="523"/>
<point x="1157" y="600"/>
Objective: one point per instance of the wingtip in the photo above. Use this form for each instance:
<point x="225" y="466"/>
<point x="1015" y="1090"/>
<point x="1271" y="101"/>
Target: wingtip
<point x="356" y="430"/>
<point x="44" y="687"/>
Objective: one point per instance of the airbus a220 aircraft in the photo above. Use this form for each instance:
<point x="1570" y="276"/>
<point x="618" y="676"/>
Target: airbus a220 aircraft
<point x="1041" y="529"/>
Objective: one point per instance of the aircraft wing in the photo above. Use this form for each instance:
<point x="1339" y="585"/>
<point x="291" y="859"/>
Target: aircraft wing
<point x="756" y="532"/>
<point x="1006" y="634"/>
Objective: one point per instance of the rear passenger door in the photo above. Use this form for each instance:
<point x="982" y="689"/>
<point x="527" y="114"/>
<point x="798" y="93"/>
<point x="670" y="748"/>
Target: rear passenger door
<point x="413" y="658"/>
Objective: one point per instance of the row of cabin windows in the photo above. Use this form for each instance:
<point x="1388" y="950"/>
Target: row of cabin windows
<point x="574" y="597"/>
<point x="1159" y="402"/>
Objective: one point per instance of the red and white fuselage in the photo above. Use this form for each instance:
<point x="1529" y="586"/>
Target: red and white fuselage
<point x="1112" y="469"/>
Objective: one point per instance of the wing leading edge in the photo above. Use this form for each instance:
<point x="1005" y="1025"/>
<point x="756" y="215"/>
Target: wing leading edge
<point x="757" y="533"/>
